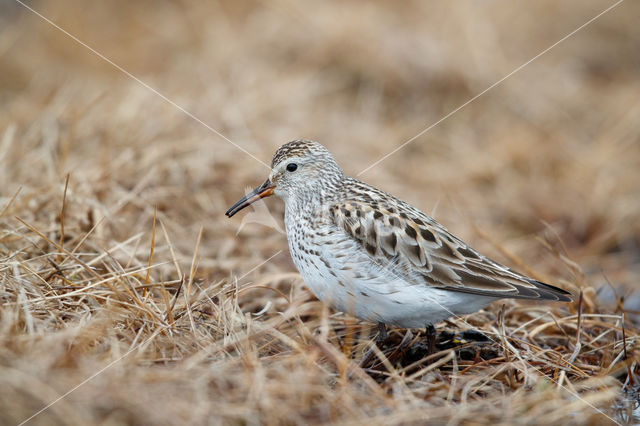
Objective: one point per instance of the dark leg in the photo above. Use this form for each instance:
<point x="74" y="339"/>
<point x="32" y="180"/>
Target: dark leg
<point x="382" y="334"/>
<point x="380" y="340"/>
<point x="430" y="332"/>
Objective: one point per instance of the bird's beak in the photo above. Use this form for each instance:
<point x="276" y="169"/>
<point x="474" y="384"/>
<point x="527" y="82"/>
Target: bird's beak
<point x="264" y="190"/>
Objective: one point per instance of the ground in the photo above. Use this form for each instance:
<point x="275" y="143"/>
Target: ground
<point x="127" y="297"/>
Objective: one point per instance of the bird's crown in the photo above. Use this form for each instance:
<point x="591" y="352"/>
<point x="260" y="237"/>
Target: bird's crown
<point x="300" y="148"/>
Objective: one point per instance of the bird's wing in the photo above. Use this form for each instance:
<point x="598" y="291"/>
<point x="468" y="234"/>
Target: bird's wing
<point x="417" y="249"/>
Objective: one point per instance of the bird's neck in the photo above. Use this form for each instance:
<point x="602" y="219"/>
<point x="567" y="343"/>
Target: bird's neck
<point x="312" y="198"/>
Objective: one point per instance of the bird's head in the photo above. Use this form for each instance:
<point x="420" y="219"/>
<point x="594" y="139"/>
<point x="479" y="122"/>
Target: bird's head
<point x="297" y="167"/>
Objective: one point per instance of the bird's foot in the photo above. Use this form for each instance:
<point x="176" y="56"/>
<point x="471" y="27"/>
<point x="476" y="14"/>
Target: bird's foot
<point x="474" y="336"/>
<point x="468" y="344"/>
<point x="450" y="340"/>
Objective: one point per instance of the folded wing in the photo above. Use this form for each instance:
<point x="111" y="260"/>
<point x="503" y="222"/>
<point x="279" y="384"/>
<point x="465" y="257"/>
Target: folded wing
<point x="417" y="249"/>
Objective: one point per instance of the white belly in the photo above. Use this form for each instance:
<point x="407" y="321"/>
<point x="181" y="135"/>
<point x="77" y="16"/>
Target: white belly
<point x="342" y="275"/>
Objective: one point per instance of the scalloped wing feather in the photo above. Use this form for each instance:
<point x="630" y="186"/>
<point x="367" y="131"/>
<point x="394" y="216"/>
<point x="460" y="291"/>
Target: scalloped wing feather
<point x="412" y="246"/>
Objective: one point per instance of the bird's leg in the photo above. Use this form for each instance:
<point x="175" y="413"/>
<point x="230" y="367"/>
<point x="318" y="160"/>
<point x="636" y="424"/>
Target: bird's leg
<point x="430" y="332"/>
<point x="380" y="340"/>
<point x="382" y="334"/>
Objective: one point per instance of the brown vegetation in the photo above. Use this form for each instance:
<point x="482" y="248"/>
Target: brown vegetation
<point x="131" y="290"/>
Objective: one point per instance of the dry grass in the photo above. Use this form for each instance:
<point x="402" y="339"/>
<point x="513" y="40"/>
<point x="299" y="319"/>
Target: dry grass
<point x="131" y="276"/>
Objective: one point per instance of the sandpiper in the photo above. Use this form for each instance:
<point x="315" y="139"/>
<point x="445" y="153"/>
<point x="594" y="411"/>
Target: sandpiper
<point x="367" y="253"/>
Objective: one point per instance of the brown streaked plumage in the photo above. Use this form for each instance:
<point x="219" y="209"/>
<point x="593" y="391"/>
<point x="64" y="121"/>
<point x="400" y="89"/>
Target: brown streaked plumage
<point x="368" y="253"/>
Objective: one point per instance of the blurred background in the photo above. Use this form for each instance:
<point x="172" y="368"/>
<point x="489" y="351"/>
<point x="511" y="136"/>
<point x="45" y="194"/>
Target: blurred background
<point x="541" y="172"/>
<point x="552" y="151"/>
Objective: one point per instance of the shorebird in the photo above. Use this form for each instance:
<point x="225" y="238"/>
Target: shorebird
<point x="367" y="253"/>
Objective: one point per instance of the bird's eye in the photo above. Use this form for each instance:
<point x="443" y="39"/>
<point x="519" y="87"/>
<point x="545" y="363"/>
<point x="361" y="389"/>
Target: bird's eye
<point x="292" y="167"/>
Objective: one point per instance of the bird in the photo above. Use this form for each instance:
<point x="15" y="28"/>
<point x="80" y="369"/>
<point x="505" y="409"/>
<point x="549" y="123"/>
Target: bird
<point x="369" y="254"/>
